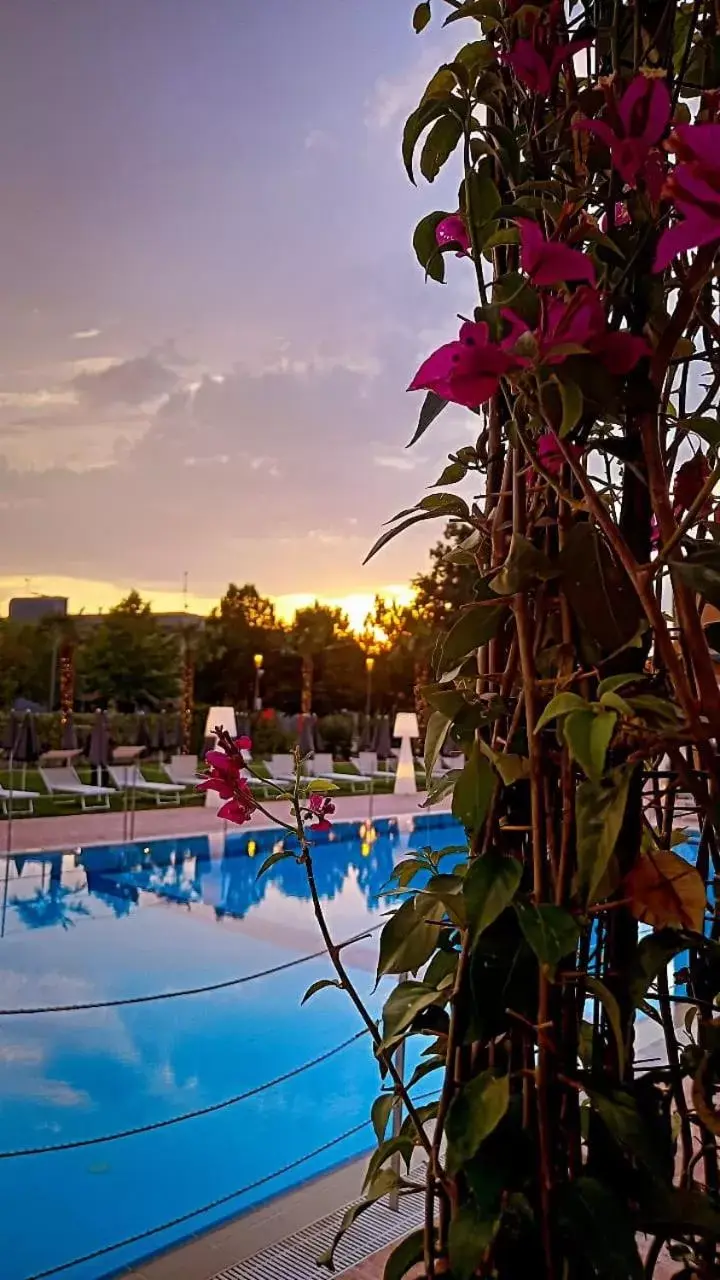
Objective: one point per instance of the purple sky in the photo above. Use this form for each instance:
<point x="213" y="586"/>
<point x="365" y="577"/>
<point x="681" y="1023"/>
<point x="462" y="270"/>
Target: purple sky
<point x="211" y="309"/>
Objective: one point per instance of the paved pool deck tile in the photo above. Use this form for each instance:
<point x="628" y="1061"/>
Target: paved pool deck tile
<point x="64" y="831"/>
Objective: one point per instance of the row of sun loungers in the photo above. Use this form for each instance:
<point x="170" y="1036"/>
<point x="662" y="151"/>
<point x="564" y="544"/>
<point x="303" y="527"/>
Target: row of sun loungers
<point x="183" y="773"/>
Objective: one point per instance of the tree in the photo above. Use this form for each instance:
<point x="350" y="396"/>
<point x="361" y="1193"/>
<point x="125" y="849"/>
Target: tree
<point x="313" y="632"/>
<point x="580" y="681"/>
<point x="243" y="624"/>
<point x="450" y="581"/>
<point x="129" y="660"/>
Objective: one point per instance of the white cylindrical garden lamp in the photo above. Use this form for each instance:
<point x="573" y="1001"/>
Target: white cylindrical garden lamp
<point x="218" y="718"/>
<point x="406" y="728"/>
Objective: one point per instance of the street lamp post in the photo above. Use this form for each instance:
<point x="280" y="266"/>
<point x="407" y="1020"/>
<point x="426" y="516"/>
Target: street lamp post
<point x="369" y="664"/>
<point x="258" y="660"/>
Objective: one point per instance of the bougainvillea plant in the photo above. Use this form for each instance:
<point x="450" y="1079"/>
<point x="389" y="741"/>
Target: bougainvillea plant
<point x="582" y="683"/>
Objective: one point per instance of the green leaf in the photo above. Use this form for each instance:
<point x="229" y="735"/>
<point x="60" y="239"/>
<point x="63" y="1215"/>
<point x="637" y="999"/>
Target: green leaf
<point x="405" y="1255"/>
<point x="701" y="578"/>
<point x="473" y="1115"/>
<point x="482" y="199"/>
<point x="445" y="504"/>
<point x="572" y="406"/>
<point x="476" y="625"/>
<point x="599" y="593"/>
<point x="619" y="1113"/>
<point x="321" y="786"/>
<point x="474" y="9"/>
<point x="439" y="145"/>
<point x="612" y="683"/>
<point x="471" y="1233"/>
<point x="441" y="788"/>
<point x="511" y="768"/>
<point x="405" y="1001"/>
<point x="680" y="1211"/>
<point x="432" y="408"/>
<point x="402" y="1146"/>
<point x="588" y="734"/>
<point x="476" y="56"/>
<point x="408" y="939"/>
<point x="435" y="735"/>
<point x="616" y="703"/>
<point x="599" y="812"/>
<point x="453" y="474"/>
<point x="320" y="986"/>
<point x="416" y="124"/>
<point x="490" y="886"/>
<point x="612" y="1012"/>
<point x="707" y="428"/>
<point x="473" y="792"/>
<point x="426" y="246"/>
<point x="280" y="855"/>
<point x="380" y="1113"/>
<point x="561" y="705"/>
<point x="654" y="953"/>
<point x="550" y="931"/>
<point x="384" y="1182"/>
<point x="421" y="17"/>
<point x="599" y="1226"/>
<point x="524" y="565"/>
<point x="389" y="534"/>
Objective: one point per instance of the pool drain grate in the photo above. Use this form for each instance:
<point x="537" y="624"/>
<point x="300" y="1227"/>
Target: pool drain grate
<point x="296" y="1257"/>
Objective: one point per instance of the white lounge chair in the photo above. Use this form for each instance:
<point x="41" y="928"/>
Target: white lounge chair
<point x="129" y="778"/>
<point x="323" y="766"/>
<point x="11" y="796"/>
<point x="183" y="771"/>
<point x="64" y="781"/>
<point x="368" y="763"/>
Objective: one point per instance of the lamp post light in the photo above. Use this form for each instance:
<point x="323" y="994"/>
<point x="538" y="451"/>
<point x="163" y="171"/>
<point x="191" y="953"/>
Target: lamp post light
<point x="258" y="660"/>
<point x="369" y="664"/>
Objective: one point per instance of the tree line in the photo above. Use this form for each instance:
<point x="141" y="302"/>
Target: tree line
<point x="129" y="660"/>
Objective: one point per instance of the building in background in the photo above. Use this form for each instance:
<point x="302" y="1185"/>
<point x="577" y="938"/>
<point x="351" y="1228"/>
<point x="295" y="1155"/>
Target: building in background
<point x="35" y="608"/>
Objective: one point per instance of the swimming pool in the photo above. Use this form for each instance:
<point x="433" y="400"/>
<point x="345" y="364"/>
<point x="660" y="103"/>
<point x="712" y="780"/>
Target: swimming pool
<point x="98" y="930"/>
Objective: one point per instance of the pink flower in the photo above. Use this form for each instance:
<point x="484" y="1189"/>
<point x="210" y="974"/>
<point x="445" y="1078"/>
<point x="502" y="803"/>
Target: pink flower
<point x="637" y="122"/>
<point x="537" y="61"/>
<point x="225" y="777"/>
<point x="243" y="744"/>
<point x="550" y="454"/>
<point x="467" y="371"/>
<point x="453" y="231"/>
<point x="581" y="322"/>
<point x="318" y="810"/>
<point x="694" y="188"/>
<point x="547" y="262"/>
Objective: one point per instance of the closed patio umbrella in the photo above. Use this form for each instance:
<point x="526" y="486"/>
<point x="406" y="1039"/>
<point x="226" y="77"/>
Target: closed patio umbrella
<point x="383" y="740"/>
<point x="306" y="737"/>
<point x="68" y="738"/>
<point x="12" y="729"/>
<point x="27" y="747"/>
<point x="143" y="736"/>
<point x="99" y="749"/>
<point x="167" y="735"/>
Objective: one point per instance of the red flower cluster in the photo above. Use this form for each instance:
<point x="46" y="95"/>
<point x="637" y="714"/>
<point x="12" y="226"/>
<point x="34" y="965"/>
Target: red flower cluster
<point x="689" y="480"/>
<point x="538" y="60"/>
<point x="468" y="371"/>
<point x="453" y="231"/>
<point x="318" y="810"/>
<point x="693" y="186"/>
<point x="634" y="126"/>
<point x="225" y="777"/>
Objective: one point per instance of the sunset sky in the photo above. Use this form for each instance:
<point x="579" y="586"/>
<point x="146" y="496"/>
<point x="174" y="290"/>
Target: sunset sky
<point x="211" y="309"/>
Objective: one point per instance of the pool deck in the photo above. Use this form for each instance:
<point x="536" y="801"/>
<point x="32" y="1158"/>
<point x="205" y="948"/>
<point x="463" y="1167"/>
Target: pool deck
<point x="65" y="831"/>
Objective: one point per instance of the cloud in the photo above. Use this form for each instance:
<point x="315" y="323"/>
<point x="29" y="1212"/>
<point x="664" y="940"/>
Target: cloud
<point x="86" y="333"/>
<point x="396" y="461"/>
<point x="132" y="382"/>
<point x="43" y="398"/>
<point x="394" y="97"/>
<point x="319" y="140"/>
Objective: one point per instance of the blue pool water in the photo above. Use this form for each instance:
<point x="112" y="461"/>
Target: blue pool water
<point x="117" y="922"/>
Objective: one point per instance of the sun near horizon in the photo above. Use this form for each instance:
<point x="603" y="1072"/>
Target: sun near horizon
<point x="93" y="597"/>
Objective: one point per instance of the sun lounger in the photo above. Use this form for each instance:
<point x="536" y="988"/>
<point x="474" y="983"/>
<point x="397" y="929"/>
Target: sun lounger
<point x="322" y="766"/>
<point x="64" y="781"/>
<point x="129" y="778"/>
<point x="9" y="800"/>
<point x="183" y="771"/>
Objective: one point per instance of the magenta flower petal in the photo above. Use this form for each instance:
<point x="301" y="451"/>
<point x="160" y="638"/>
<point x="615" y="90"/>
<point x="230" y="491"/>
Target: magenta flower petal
<point x="690" y="233"/>
<point x="453" y="231"/>
<point x="658" y="112"/>
<point x="565" y="53"/>
<point x="529" y="67"/>
<point x="697" y="142"/>
<point x="621" y="351"/>
<point x="548" y="262"/>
